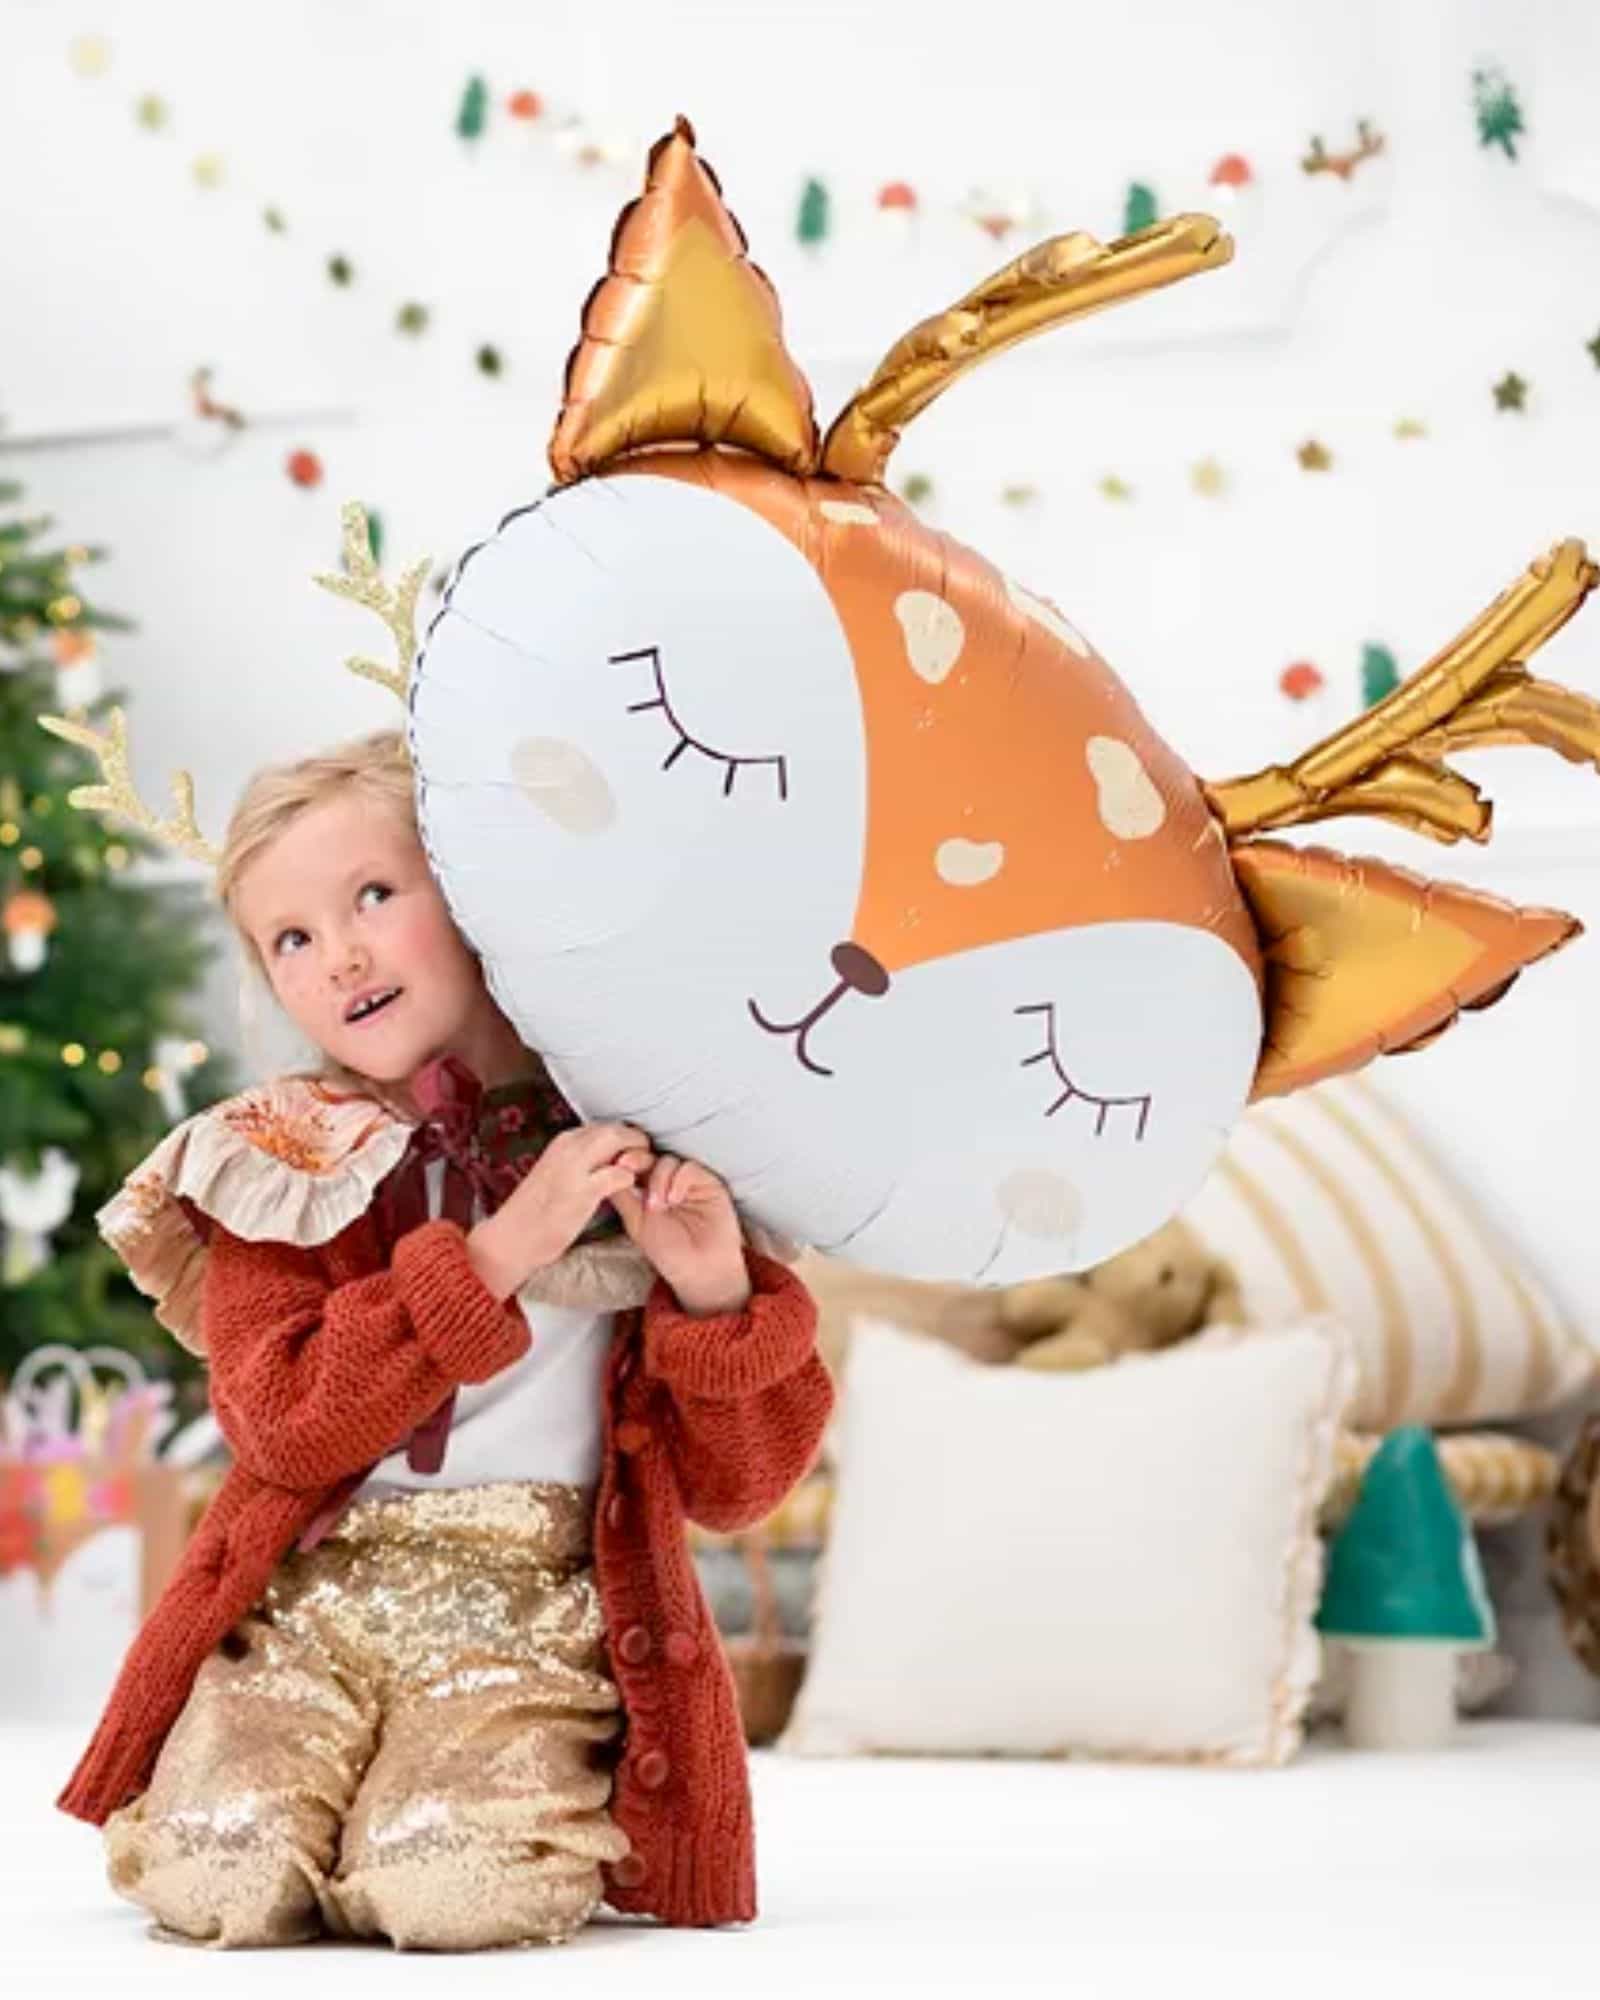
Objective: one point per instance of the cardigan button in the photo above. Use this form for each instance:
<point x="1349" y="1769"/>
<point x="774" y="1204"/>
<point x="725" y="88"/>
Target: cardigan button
<point x="683" y="1648"/>
<point x="653" y="1770"/>
<point x="632" y="1436"/>
<point x="629" y="1871"/>
<point x="634" y="1645"/>
<point x="616" y="1511"/>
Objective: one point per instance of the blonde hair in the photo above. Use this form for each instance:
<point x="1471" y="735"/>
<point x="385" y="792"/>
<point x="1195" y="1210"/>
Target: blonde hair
<point x="375" y="767"/>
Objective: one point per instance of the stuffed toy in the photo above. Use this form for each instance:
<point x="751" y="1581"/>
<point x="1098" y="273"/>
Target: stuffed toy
<point x="1159" y="1292"/>
<point x="1151" y="1296"/>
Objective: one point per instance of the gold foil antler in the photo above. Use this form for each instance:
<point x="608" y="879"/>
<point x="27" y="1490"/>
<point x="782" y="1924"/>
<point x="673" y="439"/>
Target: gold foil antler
<point x="1474" y="694"/>
<point x="395" y="604"/>
<point x="1061" y="279"/>
<point x="118" y="794"/>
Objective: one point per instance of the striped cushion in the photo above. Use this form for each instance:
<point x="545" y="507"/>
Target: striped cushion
<point x="1328" y="1202"/>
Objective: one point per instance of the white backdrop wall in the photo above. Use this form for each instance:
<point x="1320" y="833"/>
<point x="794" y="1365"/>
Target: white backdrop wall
<point x="1404" y="292"/>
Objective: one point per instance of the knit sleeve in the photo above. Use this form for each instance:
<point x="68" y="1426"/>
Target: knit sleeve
<point x="750" y="1397"/>
<point x="311" y="1381"/>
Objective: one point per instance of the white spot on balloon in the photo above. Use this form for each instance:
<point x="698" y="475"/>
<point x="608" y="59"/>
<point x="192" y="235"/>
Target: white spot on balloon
<point x="966" y="863"/>
<point x="1130" y="805"/>
<point x="933" y="631"/>
<point x="1047" y="615"/>
<point x="848" y="513"/>
<point x="565" y="784"/>
<point x="1039" y="1202"/>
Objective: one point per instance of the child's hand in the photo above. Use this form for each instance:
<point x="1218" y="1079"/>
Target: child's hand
<point x="684" y="1222"/>
<point x="554" y="1202"/>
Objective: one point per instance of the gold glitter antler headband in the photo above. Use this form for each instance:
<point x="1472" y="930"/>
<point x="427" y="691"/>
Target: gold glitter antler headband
<point x="396" y="605"/>
<point x="118" y="794"/>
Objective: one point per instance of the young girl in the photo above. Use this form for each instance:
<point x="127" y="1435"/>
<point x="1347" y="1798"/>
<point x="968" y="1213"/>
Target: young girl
<point x="435" y="1665"/>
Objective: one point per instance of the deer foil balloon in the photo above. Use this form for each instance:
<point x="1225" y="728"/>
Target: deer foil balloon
<point x="796" y="833"/>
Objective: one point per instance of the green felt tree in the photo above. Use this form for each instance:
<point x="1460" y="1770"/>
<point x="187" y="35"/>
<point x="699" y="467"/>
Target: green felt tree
<point x="1380" y="675"/>
<point x="473" y="111"/>
<point x="1139" y="210"/>
<point x="811" y="225"/>
<point x="1405" y="1565"/>
<point x="1498" y="112"/>
<point x="98" y="968"/>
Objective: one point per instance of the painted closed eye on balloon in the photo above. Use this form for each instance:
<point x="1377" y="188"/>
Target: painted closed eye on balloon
<point x="657" y="701"/>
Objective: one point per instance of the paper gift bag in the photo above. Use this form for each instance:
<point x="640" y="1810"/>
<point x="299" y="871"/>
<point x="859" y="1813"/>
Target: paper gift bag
<point x="91" y="1524"/>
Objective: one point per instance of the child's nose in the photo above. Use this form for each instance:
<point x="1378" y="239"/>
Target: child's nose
<point x="349" y="963"/>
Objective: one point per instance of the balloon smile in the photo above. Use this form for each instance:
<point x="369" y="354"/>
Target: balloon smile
<point x="859" y="972"/>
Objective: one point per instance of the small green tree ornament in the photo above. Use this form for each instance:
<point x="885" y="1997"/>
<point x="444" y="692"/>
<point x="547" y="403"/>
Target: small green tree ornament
<point x="1380" y="676"/>
<point x="811" y="225"/>
<point x="1498" y="112"/>
<point x="1405" y="1594"/>
<point x="1139" y="210"/>
<point x="474" y="109"/>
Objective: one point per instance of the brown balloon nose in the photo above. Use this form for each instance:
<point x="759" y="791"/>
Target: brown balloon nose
<point x="860" y="970"/>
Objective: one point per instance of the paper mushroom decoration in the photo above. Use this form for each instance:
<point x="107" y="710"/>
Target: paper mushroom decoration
<point x="29" y="917"/>
<point x="803" y="836"/>
<point x="1405" y="1595"/>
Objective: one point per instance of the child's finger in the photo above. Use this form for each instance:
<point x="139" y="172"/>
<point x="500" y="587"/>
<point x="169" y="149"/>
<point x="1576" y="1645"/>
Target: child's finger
<point x="637" y="1160"/>
<point x="626" y="1200"/>
<point x="660" y="1181"/>
<point x="600" y="1142"/>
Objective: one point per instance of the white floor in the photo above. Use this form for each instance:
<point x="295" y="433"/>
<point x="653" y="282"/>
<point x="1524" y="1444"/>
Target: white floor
<point x="1387" y="1878"/>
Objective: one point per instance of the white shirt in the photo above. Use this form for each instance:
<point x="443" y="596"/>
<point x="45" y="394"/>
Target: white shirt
<point x="538" y="1419"/>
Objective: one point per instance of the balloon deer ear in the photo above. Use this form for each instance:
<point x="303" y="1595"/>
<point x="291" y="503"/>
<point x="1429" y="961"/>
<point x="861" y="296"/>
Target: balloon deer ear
<point x="1364" y="960"/>
<point x="682" y="339"/>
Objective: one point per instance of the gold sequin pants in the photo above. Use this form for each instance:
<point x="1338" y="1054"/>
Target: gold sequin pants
<point x="410" y="1736"/>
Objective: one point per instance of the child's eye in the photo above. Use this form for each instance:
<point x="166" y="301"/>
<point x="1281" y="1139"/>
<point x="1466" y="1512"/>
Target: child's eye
<point x="382" y="887"/>
<point x="277" y="942"/>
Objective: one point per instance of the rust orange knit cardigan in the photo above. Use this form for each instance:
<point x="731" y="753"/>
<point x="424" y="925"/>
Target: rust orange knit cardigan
<point x="322" y="1359"/>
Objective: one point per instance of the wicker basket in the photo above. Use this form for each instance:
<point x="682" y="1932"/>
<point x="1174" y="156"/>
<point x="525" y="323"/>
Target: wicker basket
<point x="768" y="1667"/>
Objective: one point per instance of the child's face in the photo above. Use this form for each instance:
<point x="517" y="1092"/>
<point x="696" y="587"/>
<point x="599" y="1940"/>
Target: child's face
<point x="343" y="909"/>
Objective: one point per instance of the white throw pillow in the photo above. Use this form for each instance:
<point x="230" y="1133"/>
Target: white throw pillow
<point x="1119" y="1563"/>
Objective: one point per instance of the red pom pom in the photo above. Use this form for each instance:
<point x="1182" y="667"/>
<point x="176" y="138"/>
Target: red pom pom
<point x="898" y="194"/>
<point x="305" y="468"/>
<point x="525" y="104"/>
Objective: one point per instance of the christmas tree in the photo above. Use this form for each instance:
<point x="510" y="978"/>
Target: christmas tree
<point x="811" y="225"/>
<point x="99" y="1055"/>
<point x="1498" y="112"/>
<point x="1139" y="209"/>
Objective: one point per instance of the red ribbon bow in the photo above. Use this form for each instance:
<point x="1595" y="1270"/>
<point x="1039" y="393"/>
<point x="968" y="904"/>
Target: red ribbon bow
<point x="451" y="1099"/>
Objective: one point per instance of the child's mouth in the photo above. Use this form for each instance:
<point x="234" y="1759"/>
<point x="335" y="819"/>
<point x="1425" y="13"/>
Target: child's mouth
<point x="368" y="1010"/>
